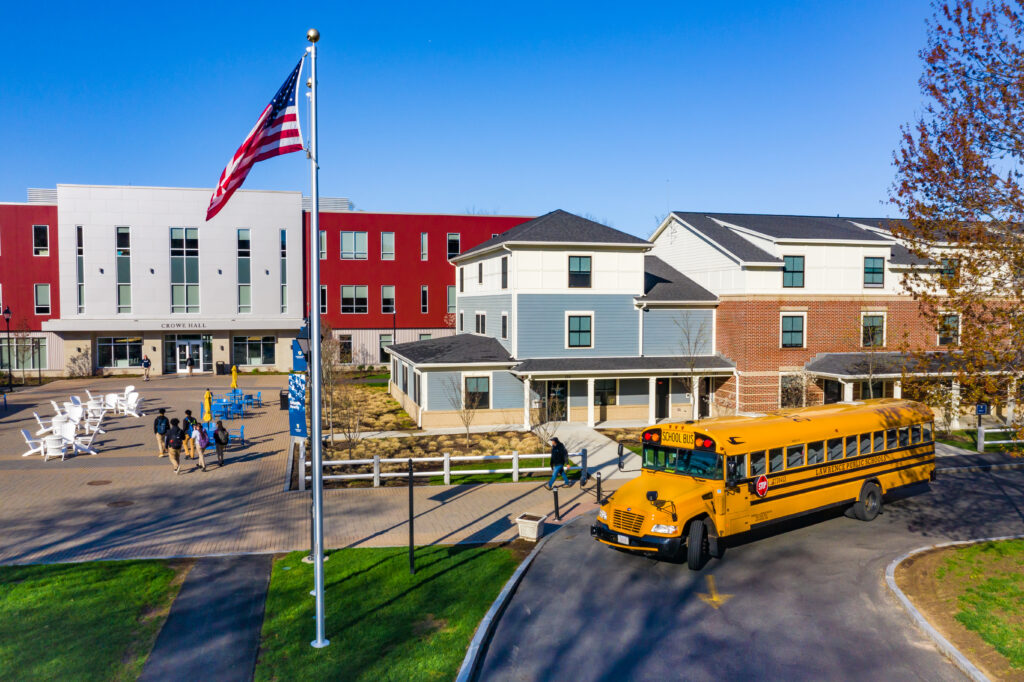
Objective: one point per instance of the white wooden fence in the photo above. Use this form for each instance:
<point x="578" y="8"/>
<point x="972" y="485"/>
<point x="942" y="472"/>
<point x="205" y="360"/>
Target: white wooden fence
<point x="982" y="430"/>
<point x="446" y="460"/>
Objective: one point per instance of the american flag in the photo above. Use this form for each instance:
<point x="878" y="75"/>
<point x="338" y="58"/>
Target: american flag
<point x="275" y="133"/>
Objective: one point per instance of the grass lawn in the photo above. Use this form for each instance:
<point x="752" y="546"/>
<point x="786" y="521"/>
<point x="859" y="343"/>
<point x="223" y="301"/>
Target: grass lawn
<point x="968" y="439"/>
<point x="383" y="624"/>
<point x="524" y="463"/>
<point x="92" y="621"/>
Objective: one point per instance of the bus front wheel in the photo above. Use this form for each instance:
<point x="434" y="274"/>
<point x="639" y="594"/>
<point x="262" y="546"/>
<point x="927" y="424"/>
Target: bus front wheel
<point x="869" y="503"/>
<point x="697" y="545"/>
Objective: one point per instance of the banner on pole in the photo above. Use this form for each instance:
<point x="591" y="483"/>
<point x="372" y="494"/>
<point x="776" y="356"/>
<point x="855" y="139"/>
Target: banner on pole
<point x="297" y="405"/>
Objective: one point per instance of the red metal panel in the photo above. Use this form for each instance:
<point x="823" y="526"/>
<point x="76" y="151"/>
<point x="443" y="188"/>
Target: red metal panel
<point x="20" y="270"/>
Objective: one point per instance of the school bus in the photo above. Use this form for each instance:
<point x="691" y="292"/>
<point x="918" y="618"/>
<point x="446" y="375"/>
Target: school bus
<point x="702" y="482"/>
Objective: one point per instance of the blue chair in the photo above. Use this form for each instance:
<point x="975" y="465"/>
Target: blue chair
<point x="237" y="434"/>
<point x="259" y="398"/>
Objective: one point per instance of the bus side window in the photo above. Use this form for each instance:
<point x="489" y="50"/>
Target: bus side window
<point x="927" y="433"/>
<point x="890" y="439"/>
<point x="775" y="460"/>
<point x="879" y="441"/>
<point x="757" y="463"/>
<point x="865" y="443"/>
<point x="851" y="446"/>
<point x="736" y="467"/>
<point x="816" y="452"/>
<point x="835" y="449"/>
<point x="904" y="436"/>
<point x="794" y="456"/>
<point x="915" y="433"/>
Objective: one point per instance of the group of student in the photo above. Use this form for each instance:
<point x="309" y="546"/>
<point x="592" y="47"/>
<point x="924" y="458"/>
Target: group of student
<point x="174" y="438"/>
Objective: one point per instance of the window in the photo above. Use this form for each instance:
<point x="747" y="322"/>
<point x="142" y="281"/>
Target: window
<point x="244" y="272"/>
<point x="816" y="452"/>
<point x="865" y="443"/>
<point x="915" y="433"/>
<point x="579" y="272"/>
<point x="462" y="325"/>
<point x="123" y="257"/>
<point x="451" y="298"/>
<point x="481" y="323"/>
<point x="42" y="298"/>
<point x="794" y="456"/>
<point x="353" y="246"/>
<point x="284" y="271"/>
<point x="949" y="330"/>
<point x="878" y="441"/>
<point x="423" y="246"/>
<point x="426" y="337"/>
<point x="184" y="270"/>
<point x="874" y="272"/>
<point x="504" y="272"/>
<point x="480" y="273"/>
<point x="835" y="449"/>
<point x="462" y="280"/>
<point x="872" y="389"/>
<point x="950" y="268"/>
<point x="387" y="299"/>
<point x="904" y="436"/>
<point x="478" y="392"/>
<point x="40" y="240"/>
<point x="424" y="300"/>
<point x="775" y="460"/>
<point x="323" y="245"/>
<point x="354" y="298"/>
<point x="323" y="299"/>
<point x="385" y="341"/>
<point x="117" y="352"/>
<point x="345" y="348"/>
<point x="890" y="438"/>
<point x="873" y="329"/>
<point x="851" y="446"/>
<point x="604" y="391"/>
<point x="793" y="271"/>
<point x="29" y="353"/>
<point x="454" y="244"/>
<point x="80" y="267"/>
<point x="757" y="463"/>
<point x="579" y="331"/>
<point x="405" y="378"/>
<point x="416" y="388"/>
<point x="793" y="331"/>
<point x="254" y="350"/>
<point x="504" y="325"/>
<point x="387" y="246"/>
<point x="926" y="433"/>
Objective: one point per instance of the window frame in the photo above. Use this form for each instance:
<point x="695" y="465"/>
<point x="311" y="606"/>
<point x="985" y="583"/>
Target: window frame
<point x="35" y="299"/>
<point x="580" y="274"/>
<point x="448" y="244"/>
<point x="385" y="254"/>
<point x="36" y="249"/>
<point x="424" y="246"/>
<point x="383" y="297"/>
<point x="355" y="299"/>
<point x="504" y="325"/>
<point x="480" y="273"/>
<point x="323" y="300"/>
<point x="355" y="253"/>
<point x="322" y="245"/>
<point x="480" y="322"/>
<point x="119" y="307"/>
<point x="881" y="273"/>
<point x="504" y="272"/>
<point x="803" y="329"/>
<point x="786" y="271"/>
<point x="955" y="341"/>
<point x="381" y="353"/>
<point x="424" y="299"/>
<point x="569" y="314"/>
<point x="452" y="302"/>
<point x="870" y="313"/>
<point x="490" y="388"/>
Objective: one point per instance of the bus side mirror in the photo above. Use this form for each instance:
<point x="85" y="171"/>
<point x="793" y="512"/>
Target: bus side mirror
<point x="732" y="479"/>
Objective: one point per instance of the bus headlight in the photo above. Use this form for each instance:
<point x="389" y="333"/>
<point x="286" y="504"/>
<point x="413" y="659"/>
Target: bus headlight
<point x="602" y="514"/>
<point x="664" y="530"/>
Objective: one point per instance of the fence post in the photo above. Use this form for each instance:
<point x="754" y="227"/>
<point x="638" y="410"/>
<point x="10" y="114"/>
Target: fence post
<point x="447" y="468"/>
<point x="376" y="471"/>
<point x="515" y="466"/>
<point x="585" y="473"/>
<point x="302" y="466"/>
<point x="981" y="438"/>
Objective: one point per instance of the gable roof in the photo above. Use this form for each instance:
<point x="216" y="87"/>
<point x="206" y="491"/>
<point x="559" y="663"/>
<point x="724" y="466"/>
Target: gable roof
<point x="742" y="248"/>
<point x="799" y="226"/>
<point x="558" y="226"/>
<point x="662" y="282"/>
<point x="458" y="349"/>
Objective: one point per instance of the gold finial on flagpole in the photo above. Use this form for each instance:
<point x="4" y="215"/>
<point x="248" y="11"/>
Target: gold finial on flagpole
<point x="312" y="35"/>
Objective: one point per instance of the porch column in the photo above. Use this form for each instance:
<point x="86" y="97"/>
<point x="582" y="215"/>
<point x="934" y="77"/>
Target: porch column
<point x="694" y="393"/>
<point x="526" y="403"/>
<point x="1011" y="403"/>
<point x="590" y="403"/>
<point x="847" y="391"/>
<point x="652" y="396"/>
<point x="897" y="389"/>
<point x="954" y="403"/>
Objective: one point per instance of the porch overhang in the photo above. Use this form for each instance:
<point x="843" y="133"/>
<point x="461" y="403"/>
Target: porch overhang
<point x="684" y="366"/>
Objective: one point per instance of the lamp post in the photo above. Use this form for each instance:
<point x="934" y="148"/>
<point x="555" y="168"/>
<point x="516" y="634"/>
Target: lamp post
<point x="10" y="362"/>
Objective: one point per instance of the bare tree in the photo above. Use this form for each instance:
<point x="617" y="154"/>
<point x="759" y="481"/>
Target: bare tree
<point x="541" y="424"/>
<point x="465" y="407"/>
<point x="330" y="369"/>
<point x="81" y="364"/>
<point x="22" y="340"/>
<point x="793" y="388"/>
<point x="350" y="406"/>
<point x="693" y="341"/>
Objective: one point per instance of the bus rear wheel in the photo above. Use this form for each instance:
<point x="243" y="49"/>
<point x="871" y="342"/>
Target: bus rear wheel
<point x="869" y="503"/>
<point x="697" y="545"/>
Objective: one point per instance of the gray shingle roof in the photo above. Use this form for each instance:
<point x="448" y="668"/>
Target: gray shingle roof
<point x="901" y="255"/>
<point x="874" y="364"/>
<point x="559" y="226"/>
<point x="798" y="226"/>
<point x="458" y="349"/>
<point x="662" y="282"/>
<point x="677" y="363"/>
<point x="727" y="239"/>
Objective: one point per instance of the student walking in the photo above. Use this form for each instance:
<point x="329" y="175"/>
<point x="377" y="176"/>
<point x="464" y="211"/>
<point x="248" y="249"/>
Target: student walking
<point x="188" y="426"/>
<point x="559" y="457"/>
<point x="160" y="428"/>
<point x="174" y="440"/>
<point x="146" y="364"/>
<point x="220" y="441"/>
<point x="200" y="440"/>
<point x="190" y="363"/>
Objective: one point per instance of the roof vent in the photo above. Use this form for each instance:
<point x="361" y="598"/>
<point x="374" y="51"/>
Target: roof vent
<point x="330" y="204"/>
<point x="39" y="195"/>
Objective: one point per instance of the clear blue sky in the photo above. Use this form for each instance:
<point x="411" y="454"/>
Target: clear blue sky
<point x="618" y="111"/>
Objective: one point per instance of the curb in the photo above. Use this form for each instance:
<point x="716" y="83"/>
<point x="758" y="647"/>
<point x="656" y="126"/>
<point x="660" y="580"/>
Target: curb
<point x="977" y="468"/>
<point x="482" y="637"/>
<point x="944" y="645"/>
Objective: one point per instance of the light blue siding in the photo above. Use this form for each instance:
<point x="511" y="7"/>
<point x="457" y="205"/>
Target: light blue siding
<point x="542" y="325"/>
<point x="677" y="332"/>
<point x="577" y="394"/>
<point x="680" y="390"/>
<point x="438" y="390"/>
<point x="493" y="307"/>
<point x="633" y="391"/>
<point x="506" y="391"/>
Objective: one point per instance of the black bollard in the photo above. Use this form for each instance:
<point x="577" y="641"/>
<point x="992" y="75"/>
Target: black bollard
<point x="620" y="456"/>
<point x="599" y="489"/>
<point x="412" y="555"/>
<point x="558" y="514"/>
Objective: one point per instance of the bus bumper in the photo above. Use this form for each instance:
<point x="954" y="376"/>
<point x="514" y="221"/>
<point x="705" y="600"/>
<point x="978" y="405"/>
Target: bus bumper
<point x="648" y="543"/>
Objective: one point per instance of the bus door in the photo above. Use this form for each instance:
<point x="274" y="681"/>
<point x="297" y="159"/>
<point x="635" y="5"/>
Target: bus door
<point x="737" y="497"/>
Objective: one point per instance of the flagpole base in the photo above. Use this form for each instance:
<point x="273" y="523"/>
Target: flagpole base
<point x="319" y="643"/>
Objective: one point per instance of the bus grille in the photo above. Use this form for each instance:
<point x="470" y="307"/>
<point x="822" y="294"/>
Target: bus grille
<point x="627" y="521"/>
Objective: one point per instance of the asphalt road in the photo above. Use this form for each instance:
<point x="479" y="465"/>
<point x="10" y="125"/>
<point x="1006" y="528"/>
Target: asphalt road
<point x="809" y="602"/>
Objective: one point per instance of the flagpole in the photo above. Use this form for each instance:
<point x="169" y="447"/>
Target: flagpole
<point x="313" y="36"/>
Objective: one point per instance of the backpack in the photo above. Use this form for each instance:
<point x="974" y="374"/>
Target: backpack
<point x="175" y="440"/>
<point x="202" y="438"/>
<point x="162" y="424"/>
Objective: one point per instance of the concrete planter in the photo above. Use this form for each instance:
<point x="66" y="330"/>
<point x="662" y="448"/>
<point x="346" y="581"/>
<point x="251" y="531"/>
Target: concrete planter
<point x="531" y="526"/>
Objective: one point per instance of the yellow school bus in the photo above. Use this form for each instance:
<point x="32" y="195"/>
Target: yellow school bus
<point x="702" y="482"/>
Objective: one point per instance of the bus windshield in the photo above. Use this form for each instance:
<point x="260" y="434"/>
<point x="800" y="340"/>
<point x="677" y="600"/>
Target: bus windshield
<point x="697" y="463"/>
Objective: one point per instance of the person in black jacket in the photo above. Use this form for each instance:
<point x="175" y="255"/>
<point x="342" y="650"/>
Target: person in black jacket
<point x="174" y="439"/>
<point x="220" y="441"/>
<point x="160" y="426"/>
<point x="559" y="458"/>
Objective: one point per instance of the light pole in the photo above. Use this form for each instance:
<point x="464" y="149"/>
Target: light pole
<point x="10" y="362"/>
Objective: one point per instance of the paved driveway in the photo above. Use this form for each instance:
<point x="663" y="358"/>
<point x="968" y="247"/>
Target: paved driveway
<point x="808" y="603"/>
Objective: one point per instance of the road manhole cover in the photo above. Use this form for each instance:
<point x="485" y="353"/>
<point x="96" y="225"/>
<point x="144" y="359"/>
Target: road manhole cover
<point x="120" y="503"/>
<point x="98" y="483"/>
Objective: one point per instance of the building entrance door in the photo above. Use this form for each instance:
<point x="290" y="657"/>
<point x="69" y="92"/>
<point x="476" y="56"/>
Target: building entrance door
<point x="193" y="349"/>
<point x="661" y="405"/>
<point x="557" y="400"/>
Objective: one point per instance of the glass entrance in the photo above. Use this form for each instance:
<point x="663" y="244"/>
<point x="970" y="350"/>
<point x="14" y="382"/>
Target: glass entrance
<point x="557" y="401"/>
<point x="193" y="349"/>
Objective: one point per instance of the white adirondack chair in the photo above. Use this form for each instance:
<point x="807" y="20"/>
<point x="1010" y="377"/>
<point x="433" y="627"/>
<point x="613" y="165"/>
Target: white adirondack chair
<point x="54" y="446"/>
<point x="43" y="427"/>
<point x="75" y="400"/>
<point x="110" y="400"/>
<point x="91" y="396"/>
<point x="128" y="390"/>
<point x="133" y="406"/>
<point x="93" y="421"/>
<point x="76" y="415"/>
<point x="81" y="443"/>
<point x="35" y="446"/>
<point x="56" y="408"/>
